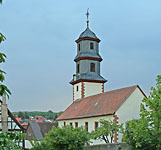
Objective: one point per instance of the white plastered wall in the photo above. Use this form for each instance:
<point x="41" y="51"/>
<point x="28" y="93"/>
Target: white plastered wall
<point x="28" y="145"/>
<point x="91" y="124"/>
<point x="92" y="88"/>
<point x="77" y="94"/>
<point x="130" y="109"/>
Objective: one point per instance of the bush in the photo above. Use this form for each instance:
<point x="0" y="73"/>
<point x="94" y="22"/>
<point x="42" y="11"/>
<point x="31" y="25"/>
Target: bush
<point x="65" y="138"/>
<point x="11" y="140"/>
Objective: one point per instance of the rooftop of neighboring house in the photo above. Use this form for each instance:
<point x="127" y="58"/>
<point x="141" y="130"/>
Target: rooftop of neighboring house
<point x="12" y="127"/>
<point x="25" y="125"/>
<point x="18" y="119"/>
<point x="37" y="130"/>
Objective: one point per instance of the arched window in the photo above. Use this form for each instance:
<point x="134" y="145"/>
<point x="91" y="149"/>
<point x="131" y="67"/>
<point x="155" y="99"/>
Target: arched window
<point x="77" y="68"/>
<point x="92" y="67"/>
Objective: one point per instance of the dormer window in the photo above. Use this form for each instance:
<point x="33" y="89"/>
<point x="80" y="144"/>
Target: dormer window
<point x="79" y="47"/>
<point x="92" y="67"/>
<point x="91" y="46"/>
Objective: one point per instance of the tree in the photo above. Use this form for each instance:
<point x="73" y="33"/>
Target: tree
<point x="26" y="116"/>
<point x="3" y="88"/>
<point x="65" y="138"/>
<point x="145" y="133"/>
<point x="106" y="131"/>
<point x="56" y="115"/>
<point x="20" y="114"/>
<point x="10" y="140"/>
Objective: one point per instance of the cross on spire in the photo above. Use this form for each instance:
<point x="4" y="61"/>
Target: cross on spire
<point x="87" y="14"/>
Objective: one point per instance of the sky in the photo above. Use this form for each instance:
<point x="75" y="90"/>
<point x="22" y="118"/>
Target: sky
<point x="40" y="47"/>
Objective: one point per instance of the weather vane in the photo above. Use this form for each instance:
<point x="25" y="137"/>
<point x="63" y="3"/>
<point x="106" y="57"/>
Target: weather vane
<point x="87" y="14"/>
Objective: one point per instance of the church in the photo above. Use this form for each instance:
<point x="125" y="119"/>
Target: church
<point x="90" y="102"/>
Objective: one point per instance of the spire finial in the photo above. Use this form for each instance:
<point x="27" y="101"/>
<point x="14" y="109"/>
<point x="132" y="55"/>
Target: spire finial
<point x="87" y="14"/>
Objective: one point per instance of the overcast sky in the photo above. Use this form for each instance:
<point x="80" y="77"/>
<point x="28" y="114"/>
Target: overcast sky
<point x="41" y="46"/>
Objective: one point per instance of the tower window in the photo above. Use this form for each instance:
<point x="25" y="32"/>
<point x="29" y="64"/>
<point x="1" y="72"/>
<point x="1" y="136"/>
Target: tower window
<point x="79" y="47"/>
<point x="77" y="68"/>
<point x="91" y="45"/>
<point x="92" y="67"/>
<point x="77" y="88"/>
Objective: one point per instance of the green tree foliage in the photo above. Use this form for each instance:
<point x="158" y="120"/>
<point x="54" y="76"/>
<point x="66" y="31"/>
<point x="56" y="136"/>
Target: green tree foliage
<point x="145" y="133"/>
<point x="3" y="88"/>
<point x="49" y="115"/>
<point x="65" y="138"/>
<point x="26" y="116"/>
<point x="20" y="114"/>
<point x="10" y="140"/>
<point x="106" y="131"/>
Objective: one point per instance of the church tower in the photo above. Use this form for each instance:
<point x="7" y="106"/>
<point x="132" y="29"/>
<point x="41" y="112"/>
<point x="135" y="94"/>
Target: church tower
<point x="87" y="81"/>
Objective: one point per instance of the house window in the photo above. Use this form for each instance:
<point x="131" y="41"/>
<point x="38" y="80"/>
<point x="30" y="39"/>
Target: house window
<point x="91" y="45"/>
<point x="96" y="125"/>
<point x="86" y="126"/>
<point x="77" y="68"/>
<point x="76" y="124"/>
<point x="70" y="123"/>
<point x="64" y="124"/>
<point x="77" y="88"/>
<point x="79" y="47"/>
<point x="92" y="67"/>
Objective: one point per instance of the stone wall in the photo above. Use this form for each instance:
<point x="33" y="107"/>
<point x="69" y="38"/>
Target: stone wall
<point x="111" y="146"/>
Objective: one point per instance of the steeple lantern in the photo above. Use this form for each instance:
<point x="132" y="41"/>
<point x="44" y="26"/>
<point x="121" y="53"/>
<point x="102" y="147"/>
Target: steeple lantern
<point x="87" y="80"/>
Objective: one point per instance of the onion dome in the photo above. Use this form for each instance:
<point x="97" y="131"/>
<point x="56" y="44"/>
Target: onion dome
<point x="88" y="33"/>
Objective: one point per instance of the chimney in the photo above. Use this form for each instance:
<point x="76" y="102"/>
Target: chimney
<point x="4" y="113"/>
<point x="74" y="77"/>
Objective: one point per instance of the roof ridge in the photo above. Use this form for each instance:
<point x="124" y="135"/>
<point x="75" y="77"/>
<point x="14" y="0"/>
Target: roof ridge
<point x="110" y="91"/>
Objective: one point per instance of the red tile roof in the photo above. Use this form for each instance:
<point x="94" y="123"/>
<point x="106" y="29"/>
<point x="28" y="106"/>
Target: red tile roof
<point x="18" y="119"/>
<point x="98" y="105"/>
<point x="24" y="124"/>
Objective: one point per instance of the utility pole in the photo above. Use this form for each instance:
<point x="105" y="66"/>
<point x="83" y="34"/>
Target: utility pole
<point x="4" y="113"/>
